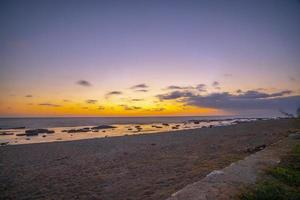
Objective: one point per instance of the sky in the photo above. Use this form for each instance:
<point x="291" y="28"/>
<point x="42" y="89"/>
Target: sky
<point x="149" y="58"/>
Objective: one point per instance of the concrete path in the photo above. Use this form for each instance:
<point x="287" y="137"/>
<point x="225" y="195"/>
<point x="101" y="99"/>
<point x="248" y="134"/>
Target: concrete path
<point x="226" y="183"/>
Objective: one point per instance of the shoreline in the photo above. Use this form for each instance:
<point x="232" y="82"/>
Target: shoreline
<point x="18" y="135"/>
<point x="149" y="166"/>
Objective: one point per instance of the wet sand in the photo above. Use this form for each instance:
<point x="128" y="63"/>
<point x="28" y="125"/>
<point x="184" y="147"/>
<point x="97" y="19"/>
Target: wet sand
<point x="150" y="166"/>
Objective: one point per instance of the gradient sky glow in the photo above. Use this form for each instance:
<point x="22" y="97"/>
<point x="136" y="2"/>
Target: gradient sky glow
<point x="83" y="58"/>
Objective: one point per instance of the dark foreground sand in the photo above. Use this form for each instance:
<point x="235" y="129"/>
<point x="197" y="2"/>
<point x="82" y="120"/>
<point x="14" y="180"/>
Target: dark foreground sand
<point x="149" y="166"/>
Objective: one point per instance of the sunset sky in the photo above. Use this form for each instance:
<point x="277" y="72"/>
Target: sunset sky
<point x="149" y="58"/>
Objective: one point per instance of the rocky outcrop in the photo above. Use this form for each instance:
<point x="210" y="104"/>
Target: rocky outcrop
<point x="81" y="130"/>
<point x="6" y="133"/>
<point x="103" y="127"/>
<point x="35" y="132"/>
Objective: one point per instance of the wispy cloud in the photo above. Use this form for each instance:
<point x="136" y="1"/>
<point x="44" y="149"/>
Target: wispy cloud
<point x="137" y="99"/>
<point x="126" y="107"/>
<point x="176" y="87"/>
<point x="199" y="87"/>
<point x="292" y="79"/>
<point x="91" y="101"/>
<point x="142" y="90"/>
<point x="113" y="93"/>
<point x="28" y="96"/>
<point x="215" y="84"/>
<point x="84" y="83"/>
<point x="140" y="86"/>
<point x="158" y="109"/>
<point x="101" y="107"/>
<point x="49" y="104"/>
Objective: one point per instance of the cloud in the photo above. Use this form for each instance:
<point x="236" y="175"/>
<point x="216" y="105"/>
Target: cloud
<point x="174" y="95"/>
<point x="126" y="107"/>
<point x="159" y="109"/>
<point x="84" y="83"/>
<point x="28" y="96"/>
<point x="292" y="79"/>
<point x="201" y="87"/>
<point x="215" y="84"/>
<point x="252" y="94"/>
<point x="142" y="90"/>
<point x="227" y="75"/>
<point x="112" y="93"/>
<point x="140" y="86"/>
<point x="91" y="101"/>
<point x="66" y="100"/>
<point x="101" y="107"/>
<point x="49" y="104"/>
<point x="241" y="101"/>
<point x="137" y="99"/>
<point x="175" y="87"/>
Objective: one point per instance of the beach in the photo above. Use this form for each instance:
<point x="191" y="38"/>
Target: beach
<point x="147" y="166"/>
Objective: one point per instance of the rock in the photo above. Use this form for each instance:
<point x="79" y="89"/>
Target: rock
<point x="255" y="149"/>
<point x="295" y="136"/>
<point x="138" y="127"/>
<point x="21" y="134"/>
<point x="103" y="127"/>
<point x="4" y="143"/>
<point x="81" y="130"/>
<point x="130" y="129"/>
<point x="165" y="124"/>
<point x="95" y="130"/>
<point x="210" y="126"/>
<point x="44" y="135"/>
<point x="5" y="133"/>
<point x="155" y="126"/>
<point x="35" y="132"/>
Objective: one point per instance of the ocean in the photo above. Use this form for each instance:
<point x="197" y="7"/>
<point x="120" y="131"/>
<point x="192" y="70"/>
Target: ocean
<point x="94" y="121"/>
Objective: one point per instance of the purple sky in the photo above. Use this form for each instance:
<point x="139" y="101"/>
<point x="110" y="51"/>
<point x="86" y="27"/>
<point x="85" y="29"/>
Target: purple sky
<point x="47" y="46"/>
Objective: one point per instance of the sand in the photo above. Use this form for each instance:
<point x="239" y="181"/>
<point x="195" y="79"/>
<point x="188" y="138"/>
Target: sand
<point x="151" y="166"/>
